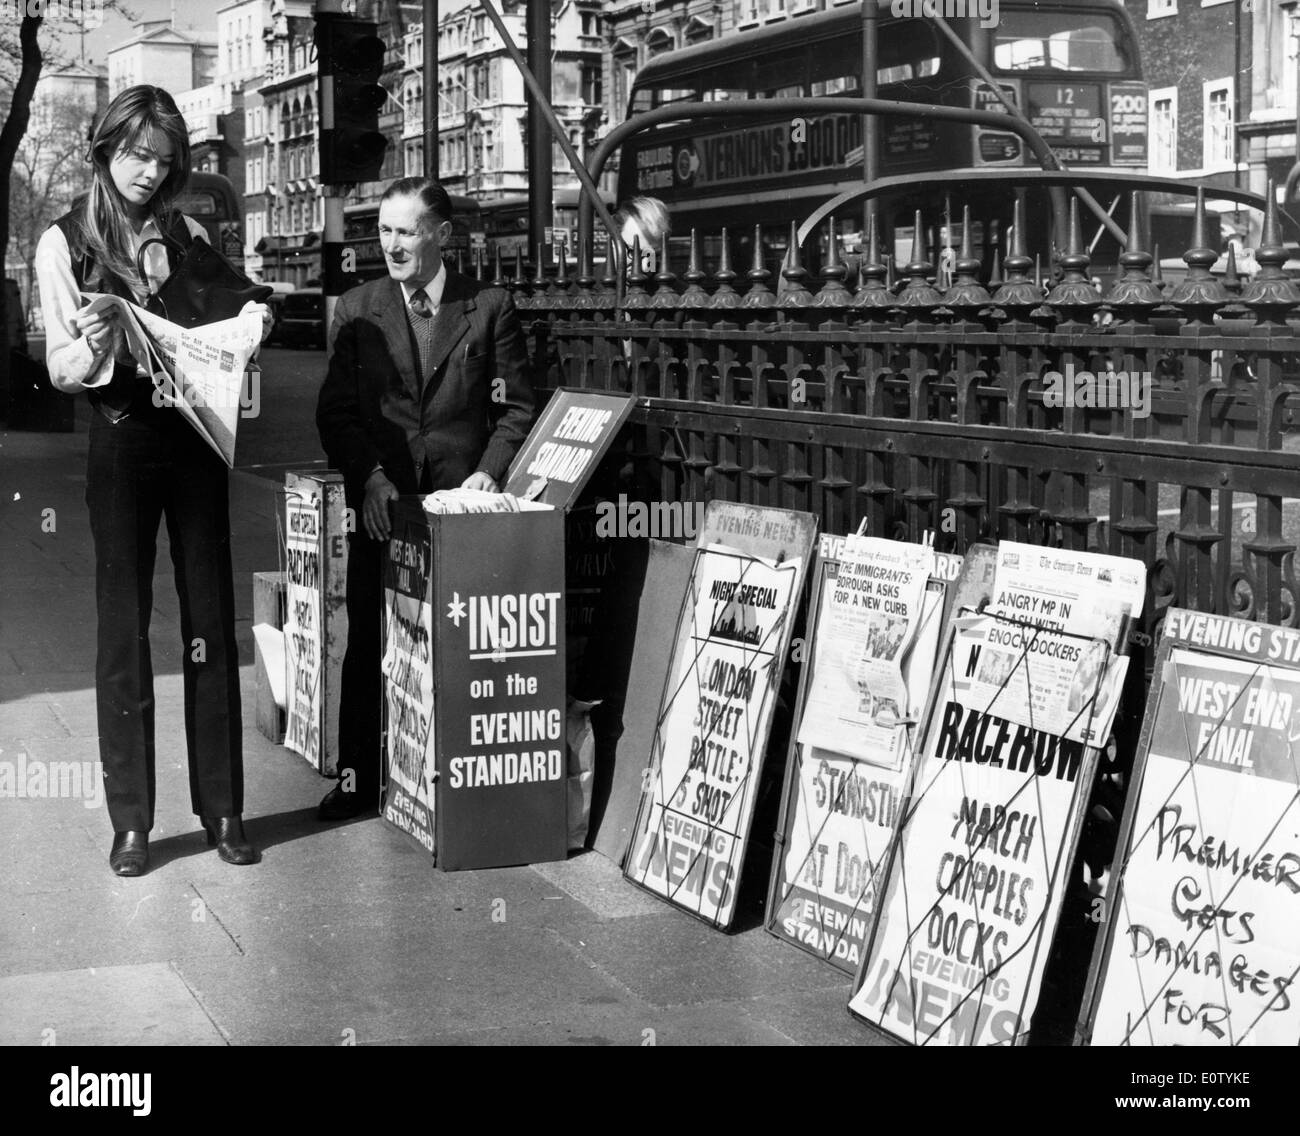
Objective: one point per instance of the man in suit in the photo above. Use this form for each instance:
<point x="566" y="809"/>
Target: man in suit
<point x="427" y="388"/>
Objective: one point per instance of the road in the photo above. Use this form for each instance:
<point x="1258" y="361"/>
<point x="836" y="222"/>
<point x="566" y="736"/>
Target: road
<point x="281" y="434"/>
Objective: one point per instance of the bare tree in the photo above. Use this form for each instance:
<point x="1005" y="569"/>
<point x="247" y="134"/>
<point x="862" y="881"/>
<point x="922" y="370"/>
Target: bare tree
<point x="49" y="172"/>
<point x="29" y="59"/>
<point x="21" y="61"/>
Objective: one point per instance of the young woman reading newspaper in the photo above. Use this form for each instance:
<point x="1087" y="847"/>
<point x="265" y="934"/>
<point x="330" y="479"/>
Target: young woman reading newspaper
<point x="145" y="463"/>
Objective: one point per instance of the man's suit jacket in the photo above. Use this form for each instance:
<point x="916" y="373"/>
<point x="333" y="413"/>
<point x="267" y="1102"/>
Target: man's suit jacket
<point x="373" y="408"/>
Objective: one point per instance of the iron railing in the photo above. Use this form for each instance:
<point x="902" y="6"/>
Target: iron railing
<point x="922" y="410"/>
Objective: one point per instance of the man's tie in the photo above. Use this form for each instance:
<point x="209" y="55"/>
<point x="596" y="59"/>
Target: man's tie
<point x="420" y="303"/>
<point x="422" y="326"/>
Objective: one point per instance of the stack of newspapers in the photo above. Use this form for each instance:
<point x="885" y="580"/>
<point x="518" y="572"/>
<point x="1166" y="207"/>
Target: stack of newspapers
<point x="201" y="371"/>
<point x="478" y="501"/>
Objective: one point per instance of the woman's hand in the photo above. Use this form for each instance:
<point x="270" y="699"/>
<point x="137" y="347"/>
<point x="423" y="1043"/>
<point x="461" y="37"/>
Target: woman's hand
<point x="264" y="310"/>
<point x="96" y="328"/>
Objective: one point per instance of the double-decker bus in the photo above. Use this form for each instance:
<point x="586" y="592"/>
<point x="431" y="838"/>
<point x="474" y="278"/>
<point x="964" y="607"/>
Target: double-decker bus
<point x="506" y="220"/>
<point x="1073" y="68"/>
<point x="361" y="235"/>
<point x="210" y="199"/>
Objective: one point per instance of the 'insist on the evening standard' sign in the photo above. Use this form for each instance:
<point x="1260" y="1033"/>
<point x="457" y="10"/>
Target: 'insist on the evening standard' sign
<point x="879" y="604"/>
<point x="1202" y="943"/>
<point x="689" y="838"/>
<point x="976" y="876"/>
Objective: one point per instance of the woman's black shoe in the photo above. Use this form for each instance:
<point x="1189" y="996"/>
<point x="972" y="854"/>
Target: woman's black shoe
<point x="130" y="853"/>
<point x="227" y="833"/>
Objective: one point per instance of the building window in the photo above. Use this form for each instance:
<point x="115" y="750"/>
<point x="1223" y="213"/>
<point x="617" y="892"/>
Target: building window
<point x="698" y="30"/>
<point x="624" y="73"/>
<point x="593" y="86"/>
<point x="1158" y="8"/>
<point x="1164" y="129"/>
<point x="590" y="23"/>
<point x="1220" y="136"/>
<point x="657" y="42"/>
<point x="1290" y="37"/>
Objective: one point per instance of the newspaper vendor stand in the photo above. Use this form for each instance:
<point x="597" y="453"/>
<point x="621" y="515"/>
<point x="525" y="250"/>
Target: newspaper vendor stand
<point x="474" y="654"/>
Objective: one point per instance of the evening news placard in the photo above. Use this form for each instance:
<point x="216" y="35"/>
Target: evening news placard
<point x="304" y="657"/>
<point x="976" y="880"/>
<point x="1205" y="943"/>
<point x="840" y="811"/>
<point x="689" y="840"/>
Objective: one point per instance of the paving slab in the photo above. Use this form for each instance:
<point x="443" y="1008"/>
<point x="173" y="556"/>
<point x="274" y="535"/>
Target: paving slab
<point x="142" y="1004"/>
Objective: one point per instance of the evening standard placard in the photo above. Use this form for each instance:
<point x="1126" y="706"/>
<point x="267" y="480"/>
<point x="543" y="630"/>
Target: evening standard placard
<point x="840" y="810"/>
<point x="976" y="881"/>
<point x="869" y="617"/>
<point x="304" y="611"/>
<point x="1205" y="943"/>
<point x="408" y="685"/>
<point x="688" y="844"/>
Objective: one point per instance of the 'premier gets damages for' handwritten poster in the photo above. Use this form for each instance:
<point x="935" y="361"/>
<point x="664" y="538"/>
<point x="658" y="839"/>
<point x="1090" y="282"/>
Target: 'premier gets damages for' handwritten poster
<point x="1206" y="946"/>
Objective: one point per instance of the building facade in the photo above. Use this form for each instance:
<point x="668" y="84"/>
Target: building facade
<point x="164" y="56"/>
<point x="1269" y="133"/>
<point x="283" y="208"/>
<point x="483" y="114"/>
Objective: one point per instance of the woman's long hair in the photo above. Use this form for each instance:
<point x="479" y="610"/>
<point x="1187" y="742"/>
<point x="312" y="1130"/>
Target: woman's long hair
<point x="140" y="116"/>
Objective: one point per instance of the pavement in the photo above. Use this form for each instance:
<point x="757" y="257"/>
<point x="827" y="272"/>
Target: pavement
<point x="344" y="933"/>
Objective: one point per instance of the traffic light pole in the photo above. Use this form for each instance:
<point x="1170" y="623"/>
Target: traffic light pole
<point x="332" y="232"/>
<point x="431" y="108"/>
<point x="541" y="210"/>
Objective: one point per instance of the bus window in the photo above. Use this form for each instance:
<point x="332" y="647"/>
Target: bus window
<point x="198" y="203"/>
<point x="908" y="50"/>
<point x="1058" y="41"/>
<point x="725" y="95"/>
<point x="782" y="75"/>
<point x="662" y="96"/>
<point x="842" y="85"/>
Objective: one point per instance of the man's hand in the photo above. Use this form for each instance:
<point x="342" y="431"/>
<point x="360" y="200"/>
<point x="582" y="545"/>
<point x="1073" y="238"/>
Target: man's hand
<point x="481" y="481"/>
<point x="374" y="512"/>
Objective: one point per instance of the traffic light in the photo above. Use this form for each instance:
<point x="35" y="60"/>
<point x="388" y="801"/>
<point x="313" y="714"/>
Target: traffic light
<point x="349" y="59"/>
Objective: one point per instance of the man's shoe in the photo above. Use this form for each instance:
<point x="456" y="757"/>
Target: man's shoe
<point x="130" y="853"/>
<point x="338" y="805"/>
<point x="227" y="833"/>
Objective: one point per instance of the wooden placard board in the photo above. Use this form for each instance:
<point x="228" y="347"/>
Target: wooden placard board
<point x="1200" y="942"/>
<point x="823" y="884"/>
<point x="977" y="870"/>
<point x="715" y="713"/>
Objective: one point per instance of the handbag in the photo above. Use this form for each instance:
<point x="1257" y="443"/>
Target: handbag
<point x="203" y="286"/>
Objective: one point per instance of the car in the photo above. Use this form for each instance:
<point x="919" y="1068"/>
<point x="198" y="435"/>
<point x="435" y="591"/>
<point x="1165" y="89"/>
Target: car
<point x="302" y="319"/>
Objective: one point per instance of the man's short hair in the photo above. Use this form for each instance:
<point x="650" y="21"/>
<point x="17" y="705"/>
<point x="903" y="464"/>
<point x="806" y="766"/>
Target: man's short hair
<point x="432" y="196"/>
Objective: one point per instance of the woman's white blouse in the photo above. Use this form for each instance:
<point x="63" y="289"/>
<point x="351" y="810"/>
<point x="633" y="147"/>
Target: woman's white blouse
<point x="72" y="364"/>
